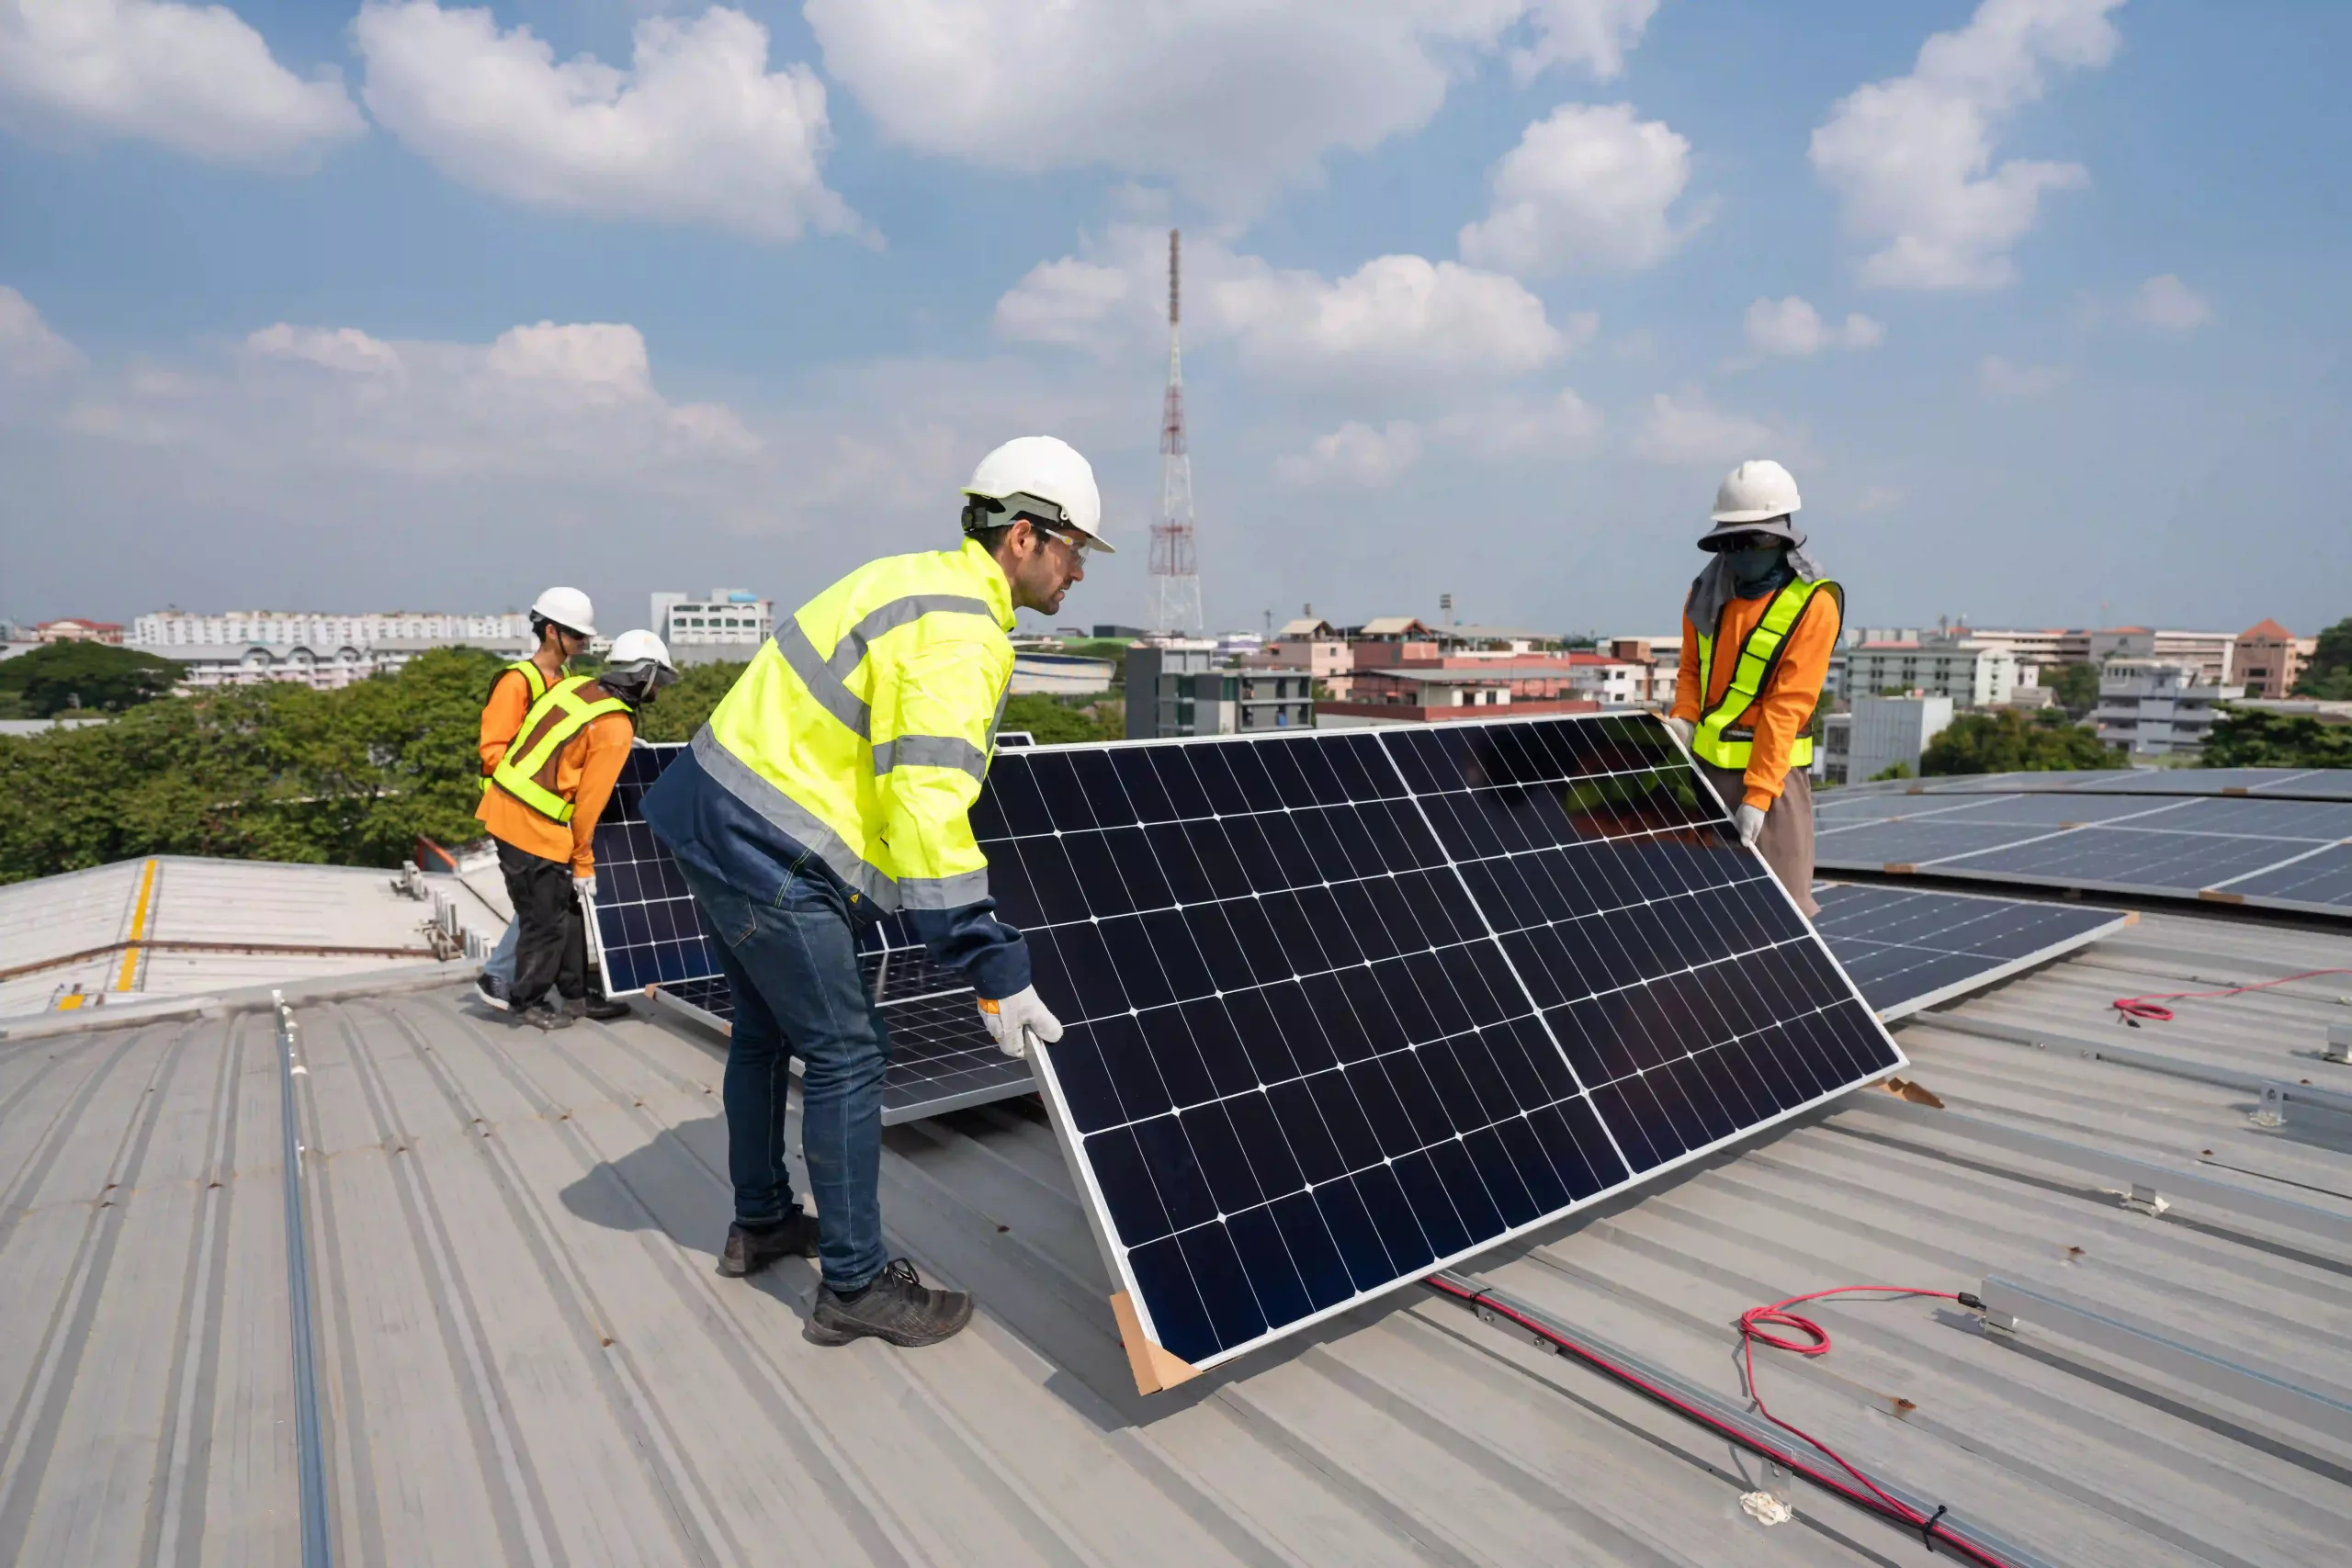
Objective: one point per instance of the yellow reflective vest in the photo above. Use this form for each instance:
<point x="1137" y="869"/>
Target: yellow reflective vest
<point x="862" y="730"/>
<point x="535" y="681"/>
<point x="527" y="770"/>
<point x="1715" y="742"/>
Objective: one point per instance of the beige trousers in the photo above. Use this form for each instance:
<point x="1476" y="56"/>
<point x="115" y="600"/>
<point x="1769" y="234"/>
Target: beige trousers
<point x="1787" y="838"/>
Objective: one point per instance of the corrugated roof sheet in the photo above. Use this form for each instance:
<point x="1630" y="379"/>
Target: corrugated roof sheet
<point x="527" y="1359"/>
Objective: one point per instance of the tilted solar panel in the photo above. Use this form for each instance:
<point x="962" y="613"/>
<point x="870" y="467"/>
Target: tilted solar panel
<point x="1346" y="1006"/>
<point x="649" y="937"/>
<point x="1908" y="949"/>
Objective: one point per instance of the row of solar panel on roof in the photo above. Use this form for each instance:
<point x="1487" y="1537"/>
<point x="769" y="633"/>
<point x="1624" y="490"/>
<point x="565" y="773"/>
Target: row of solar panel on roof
<point x="1909" y="949"/>
<point x="2277" y="783"/>
<point x="1347" y="1005"/>
<point x="2237" y="849"/>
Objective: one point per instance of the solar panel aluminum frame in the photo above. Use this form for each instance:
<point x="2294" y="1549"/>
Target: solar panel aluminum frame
<point x="1155" y="1368"/>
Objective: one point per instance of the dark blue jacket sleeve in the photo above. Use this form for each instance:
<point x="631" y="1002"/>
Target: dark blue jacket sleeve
<point x="972" y="941"/>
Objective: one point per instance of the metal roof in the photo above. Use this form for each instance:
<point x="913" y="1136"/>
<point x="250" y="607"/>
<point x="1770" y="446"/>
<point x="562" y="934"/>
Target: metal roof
<point x="524" y="1355"/>
<point x="173" y="926"/>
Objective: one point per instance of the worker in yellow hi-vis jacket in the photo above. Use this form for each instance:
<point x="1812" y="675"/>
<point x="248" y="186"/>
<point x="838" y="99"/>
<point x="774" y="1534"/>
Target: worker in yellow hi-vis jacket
<point x="831" y="786"/>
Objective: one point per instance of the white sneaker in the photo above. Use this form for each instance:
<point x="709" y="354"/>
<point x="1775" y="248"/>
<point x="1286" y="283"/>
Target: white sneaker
<point x="490" y="992"/>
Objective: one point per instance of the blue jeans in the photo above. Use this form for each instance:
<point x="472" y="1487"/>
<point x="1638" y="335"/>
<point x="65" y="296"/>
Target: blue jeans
<point x="792" y="964"/>
<point x="499" y="965"/>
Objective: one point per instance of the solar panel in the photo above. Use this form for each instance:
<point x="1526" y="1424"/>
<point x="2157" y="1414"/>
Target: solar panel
<point x="1344" y="1008"/>
<point x="2275" y="784"/>
<point x="1909" y="949"/>
<point x="2233" y="850"/>
<point x="649" y="936"/>
<point x="2320" y="881"/>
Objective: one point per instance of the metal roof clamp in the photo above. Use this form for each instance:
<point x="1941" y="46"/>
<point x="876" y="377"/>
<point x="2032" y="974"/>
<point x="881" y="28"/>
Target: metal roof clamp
<point x="2339" y="1045"/>
<point x="2272" y="1112"/>
<point x="2144" y="1200"/>
<point x="1519" y="1331"/>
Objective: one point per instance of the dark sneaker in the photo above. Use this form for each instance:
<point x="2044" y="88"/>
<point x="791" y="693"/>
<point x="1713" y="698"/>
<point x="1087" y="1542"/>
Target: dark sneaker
<point x="604" y="1010"/>
<point x="897" y="1307"/>
<point x="489" y="991"/>
<point x="749" y="1251"/>
<point x="543" y="1014"/>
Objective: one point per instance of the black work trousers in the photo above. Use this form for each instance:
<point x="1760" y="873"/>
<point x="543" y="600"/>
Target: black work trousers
<point x="551" y="946"/>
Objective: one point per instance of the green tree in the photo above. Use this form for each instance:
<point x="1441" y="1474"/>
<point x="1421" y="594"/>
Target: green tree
<point x="2328" y="676"/>
<point x="63" y="676"/>
<point x="2245" y="738"/>
<point x="2076" y="687"/>
<point x="2006" y="741"/>
<point x="1892" y="770"/>
<point x="1053" y="722"/>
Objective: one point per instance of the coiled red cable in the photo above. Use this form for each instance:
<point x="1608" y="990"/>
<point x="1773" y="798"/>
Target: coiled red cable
<point x="1755" y="1326"/>
<point x="2146" y="1007"/>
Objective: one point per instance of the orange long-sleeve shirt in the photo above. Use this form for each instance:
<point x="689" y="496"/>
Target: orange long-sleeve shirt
<point x="586" y="770"/>
<point x="1784" y="706"/>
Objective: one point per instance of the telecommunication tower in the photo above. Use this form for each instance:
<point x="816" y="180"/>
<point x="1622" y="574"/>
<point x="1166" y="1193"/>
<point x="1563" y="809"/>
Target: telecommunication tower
<point x="1175" y="567"/>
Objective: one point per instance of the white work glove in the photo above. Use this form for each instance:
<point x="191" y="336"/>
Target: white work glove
<point x="1019" y="1016"/>
<point x="585" y="887"/>
<point x="1683" y="728"/>
<point x="1749" y="821"/>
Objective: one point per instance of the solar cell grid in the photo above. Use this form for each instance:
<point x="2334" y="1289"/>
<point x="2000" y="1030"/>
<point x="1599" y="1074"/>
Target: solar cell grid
<point x="1328" y="995"/>
<point x="1908" y="949"/>
<point x="2319" y="881"/>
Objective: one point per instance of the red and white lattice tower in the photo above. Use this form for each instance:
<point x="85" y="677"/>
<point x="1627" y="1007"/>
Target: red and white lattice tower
<point x="1175" y="567"/>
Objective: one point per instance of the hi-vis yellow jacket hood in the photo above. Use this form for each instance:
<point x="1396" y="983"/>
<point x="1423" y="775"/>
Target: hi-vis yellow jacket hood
<point x="863" y="728"/>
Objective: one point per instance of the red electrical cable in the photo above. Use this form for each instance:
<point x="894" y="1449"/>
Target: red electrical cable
<point x="2145" y="1006"/>
<point x="1870" y="1495"/>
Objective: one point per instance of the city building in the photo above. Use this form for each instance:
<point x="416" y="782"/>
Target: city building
<point x="1179" y="686"/>
<point x="1878" y="733"/>
<point x="77" y="631"/>
<point x="2153" y="707"/>
<point x="2270" y="658"/>
<point x="1969" y="672"/>
<point x="1434" y="691"/>
<point x="1052" y="673"/>
<point x="2208" y="653"/>
<point x="322" y="651"/>
<point x="1661" y="658"/>
<point x="2034" y="647"/>
<point x="1612" y="682"/>
<point x="1312" y="647"/>
<point x="729" y="624"/>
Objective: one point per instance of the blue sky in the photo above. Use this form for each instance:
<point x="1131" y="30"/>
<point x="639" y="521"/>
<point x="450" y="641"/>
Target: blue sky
<point x="2041" y="299"/>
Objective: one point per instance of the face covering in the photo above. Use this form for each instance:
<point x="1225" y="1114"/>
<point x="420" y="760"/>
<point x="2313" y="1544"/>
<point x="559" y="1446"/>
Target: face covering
<point x="1757" y="569"/>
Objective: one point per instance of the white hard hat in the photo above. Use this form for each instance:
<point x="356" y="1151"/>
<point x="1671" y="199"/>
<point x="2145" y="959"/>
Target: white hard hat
<point x="1757" y="497"/>
<point x="1044" y="470"/>
<point x="567" y="607"/>
<point x="639" y="648"/>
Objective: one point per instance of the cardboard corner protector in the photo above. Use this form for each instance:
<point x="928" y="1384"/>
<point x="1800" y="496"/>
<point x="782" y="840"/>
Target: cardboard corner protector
<point x="1154" y="1368"/>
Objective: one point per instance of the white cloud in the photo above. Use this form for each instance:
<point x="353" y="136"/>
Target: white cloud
<point x="2000" y="379"/>
<point x="197" y="79"/>
<point x="338" y="348"/>
<point x="1394" y="317"/>
<point x="698" y="130"/>
<point x="1354" y="454"/>
<point x="1690" y="429"/>
<point x="2167" y="304"/>
<point x="1794" y="329"/>
<point x="1232" y="100"/>
<point x="1561" y="427"/>
<point x="29" y="349"/>
<point x="1912" y="156"/>
<point x="1586" y="190"/>
<point x="1595" y="34"/>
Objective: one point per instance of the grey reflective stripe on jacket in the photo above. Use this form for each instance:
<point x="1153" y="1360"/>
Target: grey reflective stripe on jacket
<point x="942" y="892"/>
<point x="931" y="752"/>
<point x="803" y="827"/>
<point x="828" y="679"/>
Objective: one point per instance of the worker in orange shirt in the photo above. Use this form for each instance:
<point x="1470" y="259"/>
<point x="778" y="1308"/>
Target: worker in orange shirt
<point x="563" y="621"/>
<point x="545" y="796"/>
<point x="1757" y="631"/>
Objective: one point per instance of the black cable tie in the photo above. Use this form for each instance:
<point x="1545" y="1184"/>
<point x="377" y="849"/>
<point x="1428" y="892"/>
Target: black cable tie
<point x="1926" y="1530"/>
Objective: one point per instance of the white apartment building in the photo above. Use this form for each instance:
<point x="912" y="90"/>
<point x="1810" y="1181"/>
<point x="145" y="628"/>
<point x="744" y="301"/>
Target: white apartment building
<point x="727" y="624"/>
<point x="1877" y="734"/>
<point x="2208" y="653"/>
<point x="1612" y="682"/>
<point x="324" y="651"/>
<point x="1972" y="675"/>
<point x="1661" y="661"/>
<point x="2156" y="709"/>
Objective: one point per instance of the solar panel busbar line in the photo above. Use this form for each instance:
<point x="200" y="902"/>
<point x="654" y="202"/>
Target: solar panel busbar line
<point x="649" y="937"/>
<point x="1344" y="1008"/>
